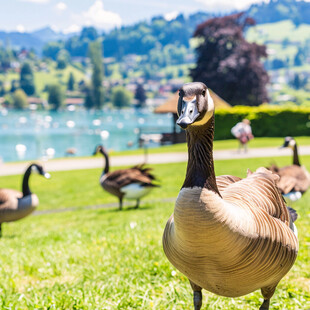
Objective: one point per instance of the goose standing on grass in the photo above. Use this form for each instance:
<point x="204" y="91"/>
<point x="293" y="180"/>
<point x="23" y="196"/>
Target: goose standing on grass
<point x="132" y="183"/>
<point x="294" y="179"/>
<point x="15" y="205"/>
<point x="228" y="235"/>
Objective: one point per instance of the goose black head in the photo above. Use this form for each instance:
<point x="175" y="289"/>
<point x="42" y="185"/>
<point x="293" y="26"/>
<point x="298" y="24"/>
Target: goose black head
<point x="195" y="105"/>
<point x="289" y="142"/>
<point x="99" y="149"/>
<point x="40" y="170"/>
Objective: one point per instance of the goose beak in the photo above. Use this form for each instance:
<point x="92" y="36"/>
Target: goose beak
<point x="188" y="115"/>
<point x="47" y="175"/>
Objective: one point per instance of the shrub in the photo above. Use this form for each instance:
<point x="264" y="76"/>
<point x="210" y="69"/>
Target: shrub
<point x="266" y="121"/>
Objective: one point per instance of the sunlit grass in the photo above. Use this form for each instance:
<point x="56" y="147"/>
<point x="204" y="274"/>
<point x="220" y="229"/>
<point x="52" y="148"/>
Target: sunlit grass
<point x="107" y="259"/>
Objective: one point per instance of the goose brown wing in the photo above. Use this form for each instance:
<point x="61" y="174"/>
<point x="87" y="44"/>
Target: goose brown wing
<point x="258" y="191"/>
<point x="8" y="194"/>
<point x="121" y="178"/>
<point x="293" y="178"/>
<point x="223" y="181"/>
<point x="8" y="199"/>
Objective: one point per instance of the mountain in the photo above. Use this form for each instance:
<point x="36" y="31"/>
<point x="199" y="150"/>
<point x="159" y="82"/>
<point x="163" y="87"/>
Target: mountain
<point x="278" y="10"/>
<point x="18" y="40"/>
<point x="47" y="34"/>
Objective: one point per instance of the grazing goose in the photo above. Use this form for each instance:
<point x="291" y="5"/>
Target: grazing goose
<point x="131" y="183"/>
<point x="228" y="235"/>
<point x="294" y="179"/>
<point x="15" y="205"/>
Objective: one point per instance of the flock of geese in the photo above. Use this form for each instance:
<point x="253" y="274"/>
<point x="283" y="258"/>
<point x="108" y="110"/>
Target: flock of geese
<point x="227" y="235"/>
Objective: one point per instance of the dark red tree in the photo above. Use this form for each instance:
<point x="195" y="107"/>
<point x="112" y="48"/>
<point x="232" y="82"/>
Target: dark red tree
<point x="228" y="64"/>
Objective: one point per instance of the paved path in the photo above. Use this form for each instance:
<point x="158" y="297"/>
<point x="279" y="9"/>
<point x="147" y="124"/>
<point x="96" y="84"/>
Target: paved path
<point x="129" y="160"/>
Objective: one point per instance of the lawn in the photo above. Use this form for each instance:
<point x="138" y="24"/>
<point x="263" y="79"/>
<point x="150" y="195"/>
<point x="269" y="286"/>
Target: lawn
<point x="107" y="259"/>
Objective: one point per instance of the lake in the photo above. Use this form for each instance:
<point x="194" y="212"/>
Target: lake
<point x="30" y="135"/>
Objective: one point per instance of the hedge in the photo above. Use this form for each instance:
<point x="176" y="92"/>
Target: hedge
<point x="266" y="121"/>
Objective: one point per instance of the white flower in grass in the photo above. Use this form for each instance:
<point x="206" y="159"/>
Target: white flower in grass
<point x="173" y="273"/>
<point x="133" y="225"/>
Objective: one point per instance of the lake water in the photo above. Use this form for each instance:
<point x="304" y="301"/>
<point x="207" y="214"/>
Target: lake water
<point x="30" y="135"/>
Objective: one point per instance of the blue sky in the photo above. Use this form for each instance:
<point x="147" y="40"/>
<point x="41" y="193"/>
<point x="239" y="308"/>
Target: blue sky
<point x="71" y="15"/>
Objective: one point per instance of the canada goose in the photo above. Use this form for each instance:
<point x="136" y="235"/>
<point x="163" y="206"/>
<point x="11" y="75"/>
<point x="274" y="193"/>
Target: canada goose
<point x="131" y="183"/>
<point x="228" y="235"/>
<point x="294" y="179"/>
<point x="15" y="205"/>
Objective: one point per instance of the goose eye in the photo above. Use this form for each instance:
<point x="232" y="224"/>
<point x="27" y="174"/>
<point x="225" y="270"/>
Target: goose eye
<point x="203" y="93"/>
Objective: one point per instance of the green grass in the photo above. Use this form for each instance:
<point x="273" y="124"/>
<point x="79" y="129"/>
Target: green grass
<point x="219" y="145"/>
<point x="106" y="259"/>
<point x="278" y="32"/>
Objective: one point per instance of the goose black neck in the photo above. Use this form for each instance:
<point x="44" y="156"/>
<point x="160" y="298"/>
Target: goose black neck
<point x="107" y="162"/>
<point x="200" y="166"/>
<point x="26" y="189"/>
<point x="295" y="156"/>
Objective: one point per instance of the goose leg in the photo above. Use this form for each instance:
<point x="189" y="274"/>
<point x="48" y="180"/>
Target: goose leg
<point x="138" y="203"/>
<point x="0" y="230"/>
<point x="121" y="203"/>
<point x="197" y="295"/>
<point x="267" y="293"/>
<point x="265" y="305"/>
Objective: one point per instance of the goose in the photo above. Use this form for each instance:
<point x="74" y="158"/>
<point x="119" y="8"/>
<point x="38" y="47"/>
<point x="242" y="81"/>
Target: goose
<point x="294" y="179"/>
<point x="227" y="235"/>
<point x="132" y="183"/>
<point x="15" y="205"/>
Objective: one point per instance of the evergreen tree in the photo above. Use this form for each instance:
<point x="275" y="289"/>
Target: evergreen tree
<point x="140" y="95"/>
<point x="26" y="79"/>
<point x="71" y="82"/>
<point x="88" y="103"/>
<point x="95" y="53"/>
<point x="228" y="64"/>
<point x="55" y="96"/>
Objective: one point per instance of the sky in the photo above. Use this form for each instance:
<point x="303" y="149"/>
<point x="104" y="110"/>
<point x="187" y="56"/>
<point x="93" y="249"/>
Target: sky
<point x="71" y="15"/>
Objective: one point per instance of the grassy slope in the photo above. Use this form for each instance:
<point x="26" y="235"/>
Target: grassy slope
<point x="41" y="78"/>
<point x="105" y="259"/>
<point x="278" y="32"/>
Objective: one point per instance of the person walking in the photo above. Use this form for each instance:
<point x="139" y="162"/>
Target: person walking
<point x="243" y="132"/>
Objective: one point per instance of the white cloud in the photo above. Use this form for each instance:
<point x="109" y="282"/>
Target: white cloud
<point x="227" y="5"/>
<point x="171" y="15"/>
<point x="72" y="28"/>
<point x="98" y="17"/>
<point x="20" y="28"/>
<point x="36" y="1"/>
<point x="61" y="6"/>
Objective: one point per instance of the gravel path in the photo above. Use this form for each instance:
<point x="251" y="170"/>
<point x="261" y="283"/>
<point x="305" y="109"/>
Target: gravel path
<point x="97" y="162"/>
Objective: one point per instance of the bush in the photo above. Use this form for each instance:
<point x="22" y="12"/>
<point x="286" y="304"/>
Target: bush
<point x="19" y="99"/>
<point x="266" y="121"/>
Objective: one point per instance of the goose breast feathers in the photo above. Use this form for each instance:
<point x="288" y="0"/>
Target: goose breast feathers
<point x="245" y="234"/>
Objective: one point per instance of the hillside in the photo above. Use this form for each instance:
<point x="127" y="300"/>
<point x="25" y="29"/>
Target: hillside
<point x="278" y="10"/>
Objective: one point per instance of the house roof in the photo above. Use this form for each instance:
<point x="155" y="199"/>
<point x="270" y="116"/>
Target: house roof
<point x="170" y="106"/>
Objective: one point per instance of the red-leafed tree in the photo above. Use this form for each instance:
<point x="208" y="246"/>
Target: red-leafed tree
<point x="228" y="64"/>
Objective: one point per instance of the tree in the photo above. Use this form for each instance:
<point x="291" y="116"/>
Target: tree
<point x="95" y="53"/>
<point x="89" y="33"/>
<point x="26" y="79"/>
<point x="63" y="58"/>
<point x="121" y="97"/>
<point x="88" y="103"/>
<point x="55" y="96"/>
<point x="140" y="95"/>
<point x="71" y="82"/>
<point x="299" y="57"/>
<point x="228" y="64"/>
<point x="20" y="99"/>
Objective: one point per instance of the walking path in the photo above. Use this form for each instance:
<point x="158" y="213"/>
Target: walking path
<point x="129" y="160"/>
